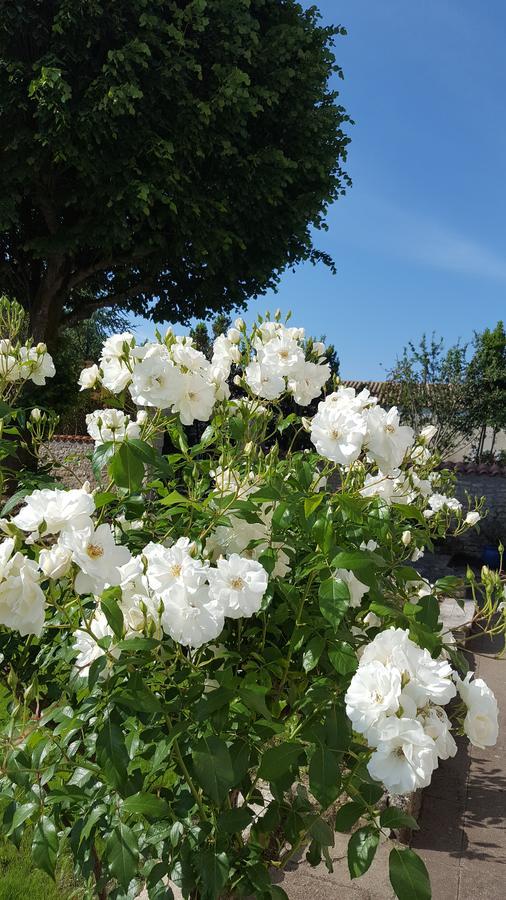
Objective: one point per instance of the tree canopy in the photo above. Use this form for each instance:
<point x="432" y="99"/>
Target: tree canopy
<point x="163" y="156"/>
<point x="465" y="398"/>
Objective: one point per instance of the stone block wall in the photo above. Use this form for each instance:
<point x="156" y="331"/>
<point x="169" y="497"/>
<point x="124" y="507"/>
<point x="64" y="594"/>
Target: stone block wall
<point x="488" y="482"/>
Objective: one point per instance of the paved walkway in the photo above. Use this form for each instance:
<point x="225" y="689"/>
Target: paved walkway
<point x="462" y="837"/>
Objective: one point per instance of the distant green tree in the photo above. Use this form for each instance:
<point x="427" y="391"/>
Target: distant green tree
<point x="428" y="385"/>
<point x="204" y="337"/>
<point x="486" y="387"/>
<point x="167" y="157"/>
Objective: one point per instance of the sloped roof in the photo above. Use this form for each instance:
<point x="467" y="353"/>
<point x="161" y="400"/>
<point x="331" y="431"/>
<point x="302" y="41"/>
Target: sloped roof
<point x="377" y="388"/>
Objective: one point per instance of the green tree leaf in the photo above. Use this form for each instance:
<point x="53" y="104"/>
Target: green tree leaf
<point x="112" y="754"/>
<point x="362" y="847"/>
<point x="109" y="603"/>
<point x="122" y="853"/>
<point x="126" y="469"/>
<point x="334" y="598"/>
<point x="312" y="653"/>
<point x="213" y="767"/>
<point x="277" y="761"/>
<point x="343" y="657"/>
<point x="145" y="804"/>
<point x="312" y="503"/>
<point x="391" y="817"/>
<point x="213" y="869"/>
<point x="347" y="815"/>
<point x="408" y="875"/>
<point x="45" y="845"/>
<point x="324" y="780"/>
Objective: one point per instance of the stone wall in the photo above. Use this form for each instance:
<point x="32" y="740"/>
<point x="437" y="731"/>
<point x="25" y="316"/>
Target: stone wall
<point x="488" y="482"/>
<point x="69" y="456"/>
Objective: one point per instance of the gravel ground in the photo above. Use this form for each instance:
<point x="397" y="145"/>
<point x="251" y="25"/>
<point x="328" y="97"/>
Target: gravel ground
<point x="70" y="457"/>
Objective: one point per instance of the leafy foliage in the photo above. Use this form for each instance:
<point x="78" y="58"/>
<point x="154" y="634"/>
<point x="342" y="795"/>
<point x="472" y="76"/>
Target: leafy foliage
<point x="428" y="384"/>
<point x="168" y="158"/>
<point x="210" y="764"/>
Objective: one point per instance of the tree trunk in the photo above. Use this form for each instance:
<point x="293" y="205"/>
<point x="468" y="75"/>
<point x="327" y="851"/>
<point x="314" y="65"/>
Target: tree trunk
<point x="46" y="307"/>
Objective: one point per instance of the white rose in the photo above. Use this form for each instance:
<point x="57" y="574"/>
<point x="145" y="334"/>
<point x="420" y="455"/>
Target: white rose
<point x="234" y="335"/>
<point x="406" y="538"/>
<point x="428" y="432"/>
<point x="36" y="414"/>
<point x="481" y="723"/>
<point x="55" y="562"/>
<point x="89" y="377"/>
<point x="22" y="601"/>
<point x="472" y="518"/>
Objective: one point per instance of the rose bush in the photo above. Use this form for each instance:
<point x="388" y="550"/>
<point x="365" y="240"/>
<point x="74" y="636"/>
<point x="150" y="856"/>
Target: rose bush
<point x="205" y="653"/>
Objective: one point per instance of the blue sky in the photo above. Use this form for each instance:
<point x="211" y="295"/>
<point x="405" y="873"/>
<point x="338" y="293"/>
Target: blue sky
<point x="420" y="239"/>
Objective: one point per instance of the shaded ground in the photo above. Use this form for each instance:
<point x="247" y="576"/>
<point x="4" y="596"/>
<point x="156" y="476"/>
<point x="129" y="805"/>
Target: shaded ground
<point x="462" y="837"/>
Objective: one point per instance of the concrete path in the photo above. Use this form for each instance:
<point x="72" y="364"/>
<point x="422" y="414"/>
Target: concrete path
<point x="462" y="837"/>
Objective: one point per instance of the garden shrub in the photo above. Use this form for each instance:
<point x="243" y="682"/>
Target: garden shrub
<point x="211" y="648"/>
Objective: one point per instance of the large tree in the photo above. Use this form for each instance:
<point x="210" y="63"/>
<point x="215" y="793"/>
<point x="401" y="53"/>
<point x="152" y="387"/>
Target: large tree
<point x="170" y="157"/>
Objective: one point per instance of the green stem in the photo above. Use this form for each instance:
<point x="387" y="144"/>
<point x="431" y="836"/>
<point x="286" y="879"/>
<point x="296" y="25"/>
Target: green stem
<point x="189" y="781"/>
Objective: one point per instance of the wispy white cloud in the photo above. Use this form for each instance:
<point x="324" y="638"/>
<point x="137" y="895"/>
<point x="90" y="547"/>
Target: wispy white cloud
<point x="443" y="248"/>
<point x="379" y="226"/>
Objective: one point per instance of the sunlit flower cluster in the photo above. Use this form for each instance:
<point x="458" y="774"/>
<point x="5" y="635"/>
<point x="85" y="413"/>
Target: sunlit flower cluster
<point x="279" y="365"/>
<point x="348" y="424"/>
<point x="170" y="590"/>
<point x="167" y="587"/>
<point x="105" y="425"/>
<point x="396" y="699"/>
<point x="169" y="374"/>
<point x="25" y="362"/>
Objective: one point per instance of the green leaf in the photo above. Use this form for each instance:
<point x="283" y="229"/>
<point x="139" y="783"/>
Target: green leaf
<point x="253" y="696"/>
<point x="45" y="846"/>
<point x="213" y="767"/>
<point x="112" y="611"/>
<point x="213" y="869"/>
<point x="334" y="598"/>
<point x="277" y="761"/>
<point x="126" y="469"/>
<point x="122" y="853"/>
<point x="343" y="658"/>
<point x="358" y="560"/>
<point x="429" y="614"/>
<point x="324" y="781"/>
<point x="102" y="498"/>
<point x="235" y="820"/>
<point x="408" y="875"/>
<point x="21" y="814"/>
<point x="321" y="832"/>
<point x="211" y="702"/>
<point x="391" y="817"/>
<point x="449" y="583"/>
<point x="347" y="815"/>
<point x="361" y="850"/>
<point x="283" y="516"/>
<point x="174" y="498"/>
<point x="101" y="456"/>
<point x="112" y="754"/>
<point x="312" y="653"/>
<point x="312" y="503"/>
<point x="146" y="804"/>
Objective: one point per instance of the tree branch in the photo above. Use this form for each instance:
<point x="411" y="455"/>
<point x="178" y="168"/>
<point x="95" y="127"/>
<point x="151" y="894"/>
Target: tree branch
<point x="106" y="263"/>
<point x="87" y="309"/>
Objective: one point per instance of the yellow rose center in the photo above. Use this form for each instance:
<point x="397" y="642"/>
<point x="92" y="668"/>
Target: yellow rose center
<point x="94" y="551"/>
